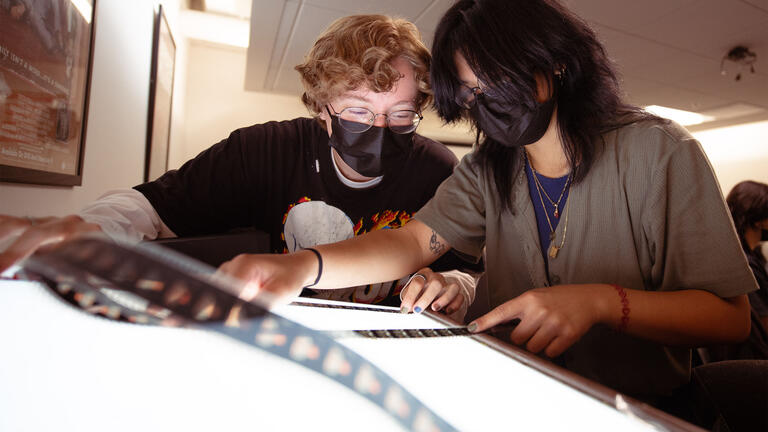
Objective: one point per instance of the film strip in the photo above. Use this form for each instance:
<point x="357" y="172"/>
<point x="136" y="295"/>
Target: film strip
<point x="406" y="333"/>
<point x="147" y="284"/>
<point x="403" y="333"/>
<point x="360" y="307"/>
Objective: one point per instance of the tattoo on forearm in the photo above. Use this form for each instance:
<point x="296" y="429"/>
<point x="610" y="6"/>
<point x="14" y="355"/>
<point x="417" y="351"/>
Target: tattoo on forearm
<point x="435" y="246"/>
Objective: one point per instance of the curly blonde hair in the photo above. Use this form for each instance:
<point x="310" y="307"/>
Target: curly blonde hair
<point x="358" y="50"/>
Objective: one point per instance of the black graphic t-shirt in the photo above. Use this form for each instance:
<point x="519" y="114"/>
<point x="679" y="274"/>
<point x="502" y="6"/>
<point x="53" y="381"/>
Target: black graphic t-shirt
<point x="279" y="177"/>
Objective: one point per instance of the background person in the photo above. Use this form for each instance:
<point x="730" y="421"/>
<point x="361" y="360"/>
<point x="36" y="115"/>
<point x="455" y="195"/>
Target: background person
<point x="748" y="203"/>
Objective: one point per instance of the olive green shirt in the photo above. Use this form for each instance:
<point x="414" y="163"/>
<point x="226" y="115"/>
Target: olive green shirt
<point x="649" y="215"/>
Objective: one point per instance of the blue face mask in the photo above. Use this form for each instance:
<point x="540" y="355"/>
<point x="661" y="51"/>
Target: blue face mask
<point x="511" y="125"/>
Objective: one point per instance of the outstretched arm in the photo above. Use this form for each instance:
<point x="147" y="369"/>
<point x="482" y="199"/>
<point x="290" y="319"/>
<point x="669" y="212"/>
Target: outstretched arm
<point x="554" y="318"/>
<point x="374" y="257"/>
<point x="124" y="214"/>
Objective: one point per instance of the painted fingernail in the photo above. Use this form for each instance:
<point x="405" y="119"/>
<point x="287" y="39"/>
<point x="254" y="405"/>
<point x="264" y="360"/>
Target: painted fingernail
<point x="417" y="309"/>
<point x="404" y="310"/>
<point x="472" y="327"/>
<point x="436" y="307"/>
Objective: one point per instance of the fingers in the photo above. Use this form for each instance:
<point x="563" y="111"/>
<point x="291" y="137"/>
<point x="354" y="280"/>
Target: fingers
<point x="538" y="340"/>
<point x="38" y="236"/>
<point x="274" y="278"/>
<point x="435" y="289"/>
<point x="429" y="288"/>
<point x="542" y="327"/>
<point x="10" y="225"/>
<point x="448" y="295"/>
<point x="455" y="304"/>
<point x="412" y="290"/>
<point x="500" y="314"/>
<point x="235" y="268"/>
<point x="558" y="346"/>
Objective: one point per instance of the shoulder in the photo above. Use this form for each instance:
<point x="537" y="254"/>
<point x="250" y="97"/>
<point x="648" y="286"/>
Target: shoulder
<point x="650" y="145"/>
<point x="301" y="129"/>
<point x="655" y="137"/>
<point x="432" y="155"/>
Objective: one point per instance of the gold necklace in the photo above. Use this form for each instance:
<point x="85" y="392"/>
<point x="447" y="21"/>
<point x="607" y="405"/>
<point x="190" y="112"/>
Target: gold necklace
<point x="553" y="249"/>
<point x="554" y="204"/>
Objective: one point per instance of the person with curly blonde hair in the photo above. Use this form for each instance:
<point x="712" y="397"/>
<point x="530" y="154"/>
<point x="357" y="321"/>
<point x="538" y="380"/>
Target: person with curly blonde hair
<point x="357" y="166"/>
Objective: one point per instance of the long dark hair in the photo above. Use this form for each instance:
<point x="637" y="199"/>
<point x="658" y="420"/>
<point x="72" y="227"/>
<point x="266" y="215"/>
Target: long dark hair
<point x="748" y="203"/>
<point x="507" y="43"/>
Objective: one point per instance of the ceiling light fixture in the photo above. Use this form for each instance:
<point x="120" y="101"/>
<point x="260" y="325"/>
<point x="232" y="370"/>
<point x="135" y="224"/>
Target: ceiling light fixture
<point x="742" y="56"/>
<point x="685" y="118"/>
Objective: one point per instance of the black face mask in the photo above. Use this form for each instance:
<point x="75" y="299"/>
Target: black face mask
<point x="764" y="235"/>
<point x="512" y="125"/>
<point x="371" y="153"/>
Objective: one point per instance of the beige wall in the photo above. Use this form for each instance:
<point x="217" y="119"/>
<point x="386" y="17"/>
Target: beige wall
<point x="216" y="103"/>
<point x="209" y="102"/>
<point x="117" y="115"/>
<point x="737" y="153"/>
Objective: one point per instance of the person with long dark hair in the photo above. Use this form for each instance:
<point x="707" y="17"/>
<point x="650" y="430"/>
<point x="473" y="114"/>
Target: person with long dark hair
<point x="748" y="203"/>
<point x="604" y="229"/>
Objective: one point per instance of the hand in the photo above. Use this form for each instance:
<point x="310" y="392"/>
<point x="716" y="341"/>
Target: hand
<point x="282" y="276"/>
<point x="432" y="289"/>
<point x="43" y="232"/>
<point x="551" y="318"/>
<point x="11" y="225"/>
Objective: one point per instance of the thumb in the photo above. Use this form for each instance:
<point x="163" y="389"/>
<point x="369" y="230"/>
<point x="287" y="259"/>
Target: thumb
<point x="501" y="314"/>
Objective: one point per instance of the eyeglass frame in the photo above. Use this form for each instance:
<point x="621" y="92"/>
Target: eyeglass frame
<point x="475" y="91"/>
<point x="482" y="91"/>
<point x="464" y="102"/>
<point x="373" y="119"/>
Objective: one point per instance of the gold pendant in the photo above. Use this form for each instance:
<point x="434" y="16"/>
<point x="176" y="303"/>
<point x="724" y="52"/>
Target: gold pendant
<point x="553" y="250"/>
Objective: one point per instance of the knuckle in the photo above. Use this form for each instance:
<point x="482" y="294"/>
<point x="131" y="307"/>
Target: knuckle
<point x="556" y="321"/>
<point x="505" y="308"/>
<point x="551" y="352"/>
<point x="71" y="220"/>
<point x="533" y="347"/>
<point x="569" y="332"/>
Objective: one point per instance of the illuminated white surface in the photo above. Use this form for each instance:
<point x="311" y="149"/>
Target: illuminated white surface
<point x="64" y="370"/>
<point x="471" y="386"/>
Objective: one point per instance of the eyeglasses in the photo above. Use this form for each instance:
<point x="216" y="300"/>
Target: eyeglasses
<point x="359" y="120"/>
<point x="466" y="97"/>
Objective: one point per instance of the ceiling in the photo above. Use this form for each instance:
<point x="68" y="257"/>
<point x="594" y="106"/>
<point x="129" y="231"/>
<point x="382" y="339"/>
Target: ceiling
<point x="668" y="52"/>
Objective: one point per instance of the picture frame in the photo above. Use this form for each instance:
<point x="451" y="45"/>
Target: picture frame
<point x="46" y="60"/>
<point x="161" y="81"/>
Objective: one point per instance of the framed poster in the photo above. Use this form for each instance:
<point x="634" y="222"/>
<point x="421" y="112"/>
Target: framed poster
<point x="46" y="52"/>
<point x="160" y="98"/>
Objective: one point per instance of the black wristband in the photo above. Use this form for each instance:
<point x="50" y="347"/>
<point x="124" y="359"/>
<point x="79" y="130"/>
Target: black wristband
<point x="319" y="267"/>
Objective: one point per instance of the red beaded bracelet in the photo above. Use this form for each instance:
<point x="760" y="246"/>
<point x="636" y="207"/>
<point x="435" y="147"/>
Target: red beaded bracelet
<point x="624" y="308"/>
